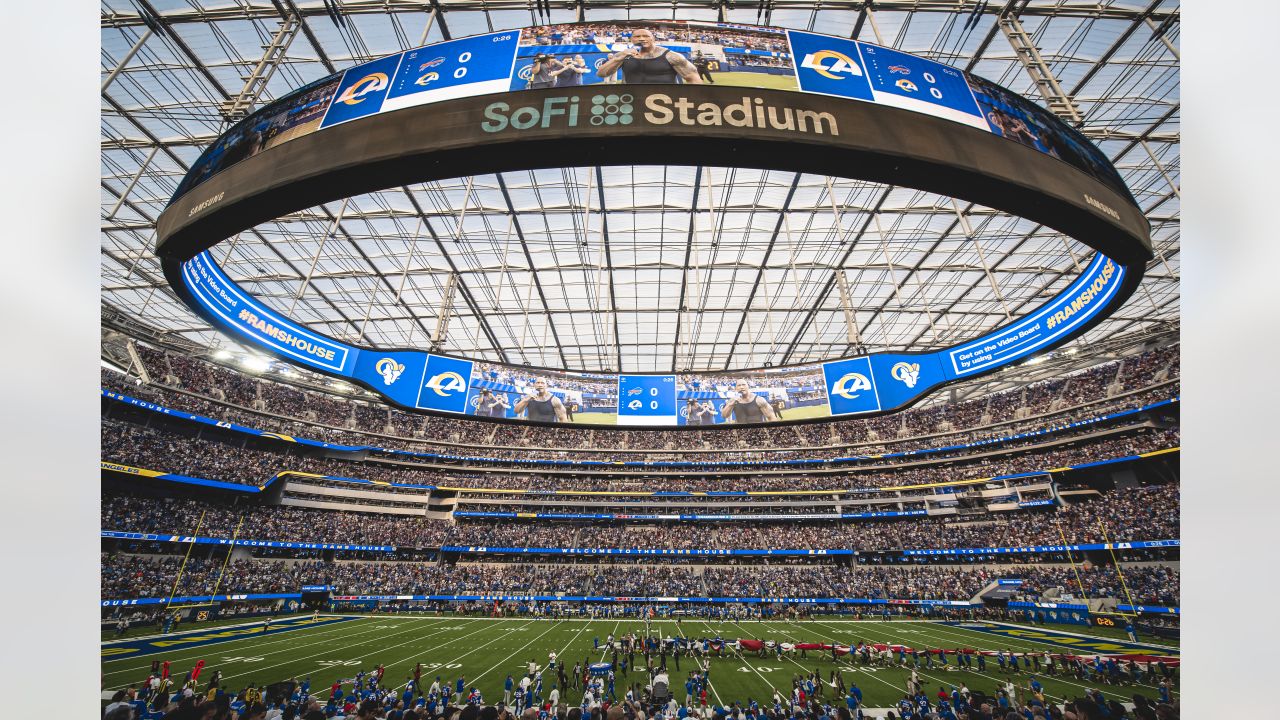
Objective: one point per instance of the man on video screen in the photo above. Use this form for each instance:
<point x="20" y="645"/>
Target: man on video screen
<point x="649" y="63"/>
<point x="744" y="406"/>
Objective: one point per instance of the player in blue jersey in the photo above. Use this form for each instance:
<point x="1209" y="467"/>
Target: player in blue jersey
<point x="519" y="698"/>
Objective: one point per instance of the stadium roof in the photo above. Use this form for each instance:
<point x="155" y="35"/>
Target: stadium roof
<point x="698" y="267"/>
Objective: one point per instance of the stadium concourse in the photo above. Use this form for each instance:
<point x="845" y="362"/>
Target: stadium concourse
<point x="596" y="438"/>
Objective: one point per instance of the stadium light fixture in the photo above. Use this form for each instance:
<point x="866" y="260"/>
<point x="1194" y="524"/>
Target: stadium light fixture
<point x="255" y="364"/>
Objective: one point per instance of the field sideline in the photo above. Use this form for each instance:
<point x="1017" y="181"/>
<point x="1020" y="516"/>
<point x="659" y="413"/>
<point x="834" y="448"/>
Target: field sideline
<point x="485" y="651"/>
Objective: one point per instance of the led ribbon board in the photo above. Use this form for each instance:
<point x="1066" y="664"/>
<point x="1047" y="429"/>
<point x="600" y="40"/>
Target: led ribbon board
<point x="785" y="100"/>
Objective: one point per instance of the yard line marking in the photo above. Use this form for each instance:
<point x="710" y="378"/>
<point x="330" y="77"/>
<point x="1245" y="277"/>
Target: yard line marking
<point x="348" y="648"/>
<point x="278" y="637"/>
<point x="522" y="647"/>
<point x="451" y="641"/>
<point x="986" y="677"/>
<point x="197" y="652"/>
<point x="1058" y="678"/>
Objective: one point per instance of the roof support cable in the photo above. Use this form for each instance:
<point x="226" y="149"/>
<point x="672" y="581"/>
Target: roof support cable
<point x="315" y="260"/>
<point x="842" y="279"/>
<point x="404" y="276"/>
<point x="127" y="57"/>
<point x="524" y="328"/>
<point x="136" y="176"/>
<point x="502" y="271"/>
<point x="713" y="222"/>
<point x="850" y="325"/>
<point x="982" y="257"/>
<point x="441" y="334"/>
<point x="1161" y="32"/>
<point x="893" y="278"/>
<point x="1172" y="185"/>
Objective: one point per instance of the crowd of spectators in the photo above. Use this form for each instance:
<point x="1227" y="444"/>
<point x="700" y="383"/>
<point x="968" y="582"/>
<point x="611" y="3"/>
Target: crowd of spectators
<point x="1145" y="584"/>
<point x="1149" y="513"/>
<point x="177" y="516"/>
<point x="127" y="576"/>
<point x="157" y="450"/>
<point x="295" y="411"/>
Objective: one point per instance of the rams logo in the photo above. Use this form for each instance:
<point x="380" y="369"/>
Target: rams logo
<point x="850" y="385"/>
<point x="389" y="370"/>
<point x="841" y="66"/>
<point x="906" y="373"/>
<point x="446" y="384"/>
<point x="906" y="85"/>
<point x="371" y="83"/>
<point x="427" y="79"/>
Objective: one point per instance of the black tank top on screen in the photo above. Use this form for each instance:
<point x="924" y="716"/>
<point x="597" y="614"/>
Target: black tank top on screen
<point x="656" y="70"/>
<point x="541" y="410"/>
<point x="748" y="412"/>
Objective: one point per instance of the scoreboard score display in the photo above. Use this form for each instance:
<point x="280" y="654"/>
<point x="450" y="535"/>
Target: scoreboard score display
<point x="647" y="400"/>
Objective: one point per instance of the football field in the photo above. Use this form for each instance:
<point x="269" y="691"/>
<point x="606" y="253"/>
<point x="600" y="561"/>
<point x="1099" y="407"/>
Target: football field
<point x="484" y="651"/>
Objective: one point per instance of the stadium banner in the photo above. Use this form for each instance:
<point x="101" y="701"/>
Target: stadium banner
<point x="174" y="477"/>
<point x="1134" y="545"/>
<point x="242" y="542"/>
<point x="1047" y="606"/>
<point x="639" y="552"/>
<point x="200" y="599"/>
<point x="472" y="402"/>
<point x="160" y="409"/>
<point x="489" y="598"/>
<point x="851" y="386"/>
<point x="687" y="517"/>
<point x="1150" y="609"/>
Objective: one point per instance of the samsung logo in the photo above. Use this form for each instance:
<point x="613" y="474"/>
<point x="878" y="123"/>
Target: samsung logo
<point x="205" y="204"/>
<point x="1099" y="205"/>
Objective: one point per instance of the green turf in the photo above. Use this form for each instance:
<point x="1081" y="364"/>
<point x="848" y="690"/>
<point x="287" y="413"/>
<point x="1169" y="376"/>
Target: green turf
<point x="485" y="651"/>
<point x="756" y="80"/>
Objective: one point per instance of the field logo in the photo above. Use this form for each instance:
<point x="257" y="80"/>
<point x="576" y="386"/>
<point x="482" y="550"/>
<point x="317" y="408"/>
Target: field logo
<point x="906" y="373"/>
<point x="389" y="370"/>
<point x="371" y="83"/>
<point x="836" y="70"/>
<point x="446" y="384"/>
<point x="850" y="385"/>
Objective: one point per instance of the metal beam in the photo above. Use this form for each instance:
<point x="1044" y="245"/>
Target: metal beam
<point x="125" y="60"/>
<point x="506" y="196"/>
<point x="608" y="261"/>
